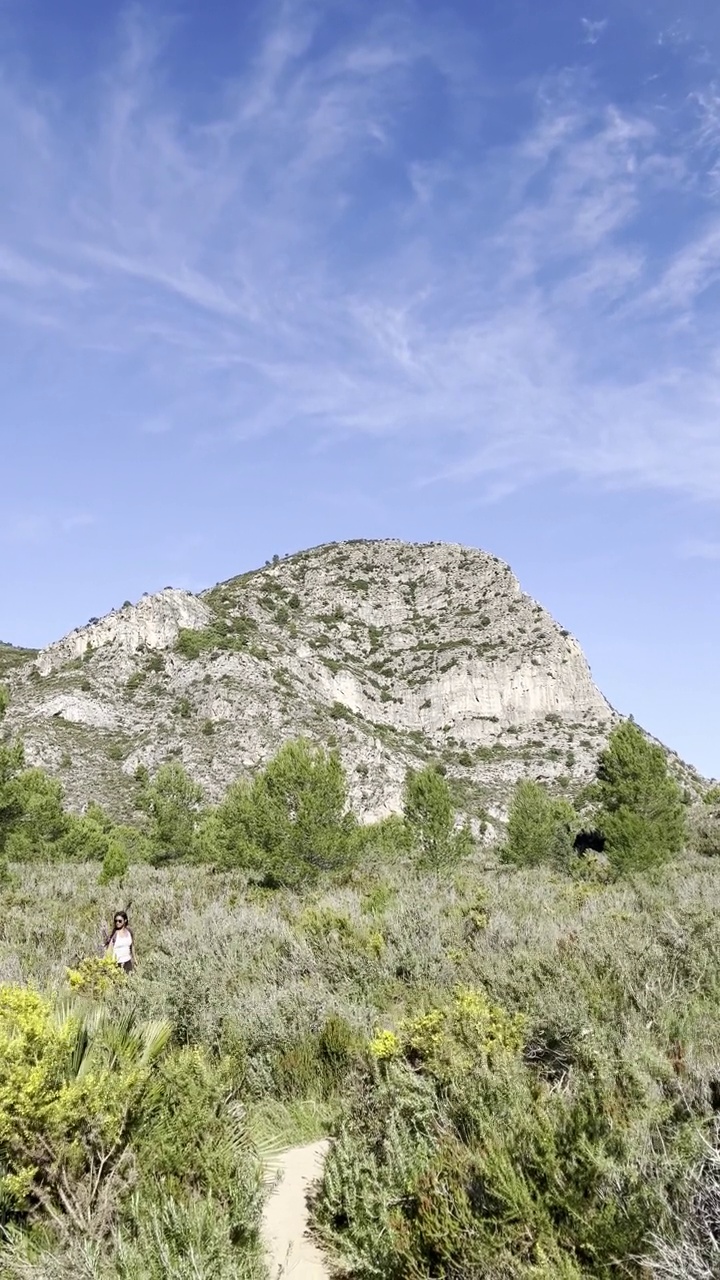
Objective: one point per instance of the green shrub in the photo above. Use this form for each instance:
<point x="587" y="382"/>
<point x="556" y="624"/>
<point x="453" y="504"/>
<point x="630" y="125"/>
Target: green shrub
<point x="85" y="839"/>
<point x="704" y="830"/>
<point x="455" y="1158"/>
<point x="385" y="840"/>
<point x="193" y="1136"/>
<point x="190" y="644"/>
<point x="70" y="1089"/>
<point x="316" y="1065"/>
<point x="184" y="1189"/>
<point x="339" y="711"/>
<point x="172" y="801"/>
<point x="231" y="634"/>
<point x="32" y="816"/>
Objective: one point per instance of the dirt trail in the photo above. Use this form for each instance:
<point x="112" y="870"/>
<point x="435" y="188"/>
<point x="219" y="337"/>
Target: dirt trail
<point x="290" y="1253"/>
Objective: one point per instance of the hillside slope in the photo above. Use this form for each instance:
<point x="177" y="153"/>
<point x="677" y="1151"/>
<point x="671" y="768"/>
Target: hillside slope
<point x="396" y="653"/>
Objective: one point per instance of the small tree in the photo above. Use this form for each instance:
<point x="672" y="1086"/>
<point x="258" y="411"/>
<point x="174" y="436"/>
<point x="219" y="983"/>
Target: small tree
<point x="292" y="822"/>
<point x="12" y="760"/>
<point x="115" y="863"/>
<point x="39" y="818"/>
<point x="430" y="816"/>
<point x="640" y="808"/>
<point x="172" y="802"/>
<point x="540" y="827"/>
<point x="84" y="840"/>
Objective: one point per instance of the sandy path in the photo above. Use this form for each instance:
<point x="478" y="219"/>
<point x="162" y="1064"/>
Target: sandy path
<point x="289" y="1251"/>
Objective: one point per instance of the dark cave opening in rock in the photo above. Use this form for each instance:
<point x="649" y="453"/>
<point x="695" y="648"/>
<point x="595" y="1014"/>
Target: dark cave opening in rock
<point x="589" y="842"/>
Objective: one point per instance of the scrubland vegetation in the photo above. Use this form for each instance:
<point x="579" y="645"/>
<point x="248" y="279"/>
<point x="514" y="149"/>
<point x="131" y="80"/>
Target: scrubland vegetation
<point x="515" y="1046"/>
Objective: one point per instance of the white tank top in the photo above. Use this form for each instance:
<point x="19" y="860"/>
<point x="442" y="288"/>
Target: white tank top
<point x="122" y="946"/>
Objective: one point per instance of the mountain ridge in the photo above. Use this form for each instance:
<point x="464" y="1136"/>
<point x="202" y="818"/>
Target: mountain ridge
<point x="396" y="653"/>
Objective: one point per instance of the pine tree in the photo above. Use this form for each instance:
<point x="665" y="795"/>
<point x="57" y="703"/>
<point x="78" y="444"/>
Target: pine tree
<point x="291" y="822"/>
<point x="430" y="815"/>
<point x="115" y="863"/>
<point x="540" y="826"/>
<point x="640" y="813"/>
<point x="172" y="802"/>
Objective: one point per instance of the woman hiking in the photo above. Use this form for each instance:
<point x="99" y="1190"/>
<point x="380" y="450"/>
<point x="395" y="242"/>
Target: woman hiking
<point x="120" y="944"/>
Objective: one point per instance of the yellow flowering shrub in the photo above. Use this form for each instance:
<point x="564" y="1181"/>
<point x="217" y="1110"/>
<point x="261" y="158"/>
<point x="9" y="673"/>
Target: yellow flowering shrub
<point x="67" y="1088"/>
<point x="485" y="1026"/>
<point x="468" y="1029"/>
<point x="385" y="1045"/>
<point x="95" y="976"/>
<point x="426" y="1034"/>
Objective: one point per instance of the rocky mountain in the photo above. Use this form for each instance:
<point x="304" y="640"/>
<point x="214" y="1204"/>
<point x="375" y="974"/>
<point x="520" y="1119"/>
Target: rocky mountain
<point x="396" y="653"/>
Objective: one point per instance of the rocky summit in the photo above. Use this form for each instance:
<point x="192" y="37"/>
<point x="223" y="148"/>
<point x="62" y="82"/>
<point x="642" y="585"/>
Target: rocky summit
<point x="395" y="653"/>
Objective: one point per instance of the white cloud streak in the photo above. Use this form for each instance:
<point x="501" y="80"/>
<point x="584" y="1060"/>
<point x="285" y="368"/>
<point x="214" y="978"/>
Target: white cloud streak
<point x="292" y="262"/>
<point x="592" y="30"/>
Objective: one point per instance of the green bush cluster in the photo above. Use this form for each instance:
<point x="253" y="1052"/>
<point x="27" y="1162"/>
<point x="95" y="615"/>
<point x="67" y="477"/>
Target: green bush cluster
<point x="634" y="806"/>
<point x="528" y="1061"/>
<point x="231" y="633"/>
<point x="541" y="828"/>
<point x="476" y="1144"/>
<point x="292" y="822"/>
<point x="288" y="825"/>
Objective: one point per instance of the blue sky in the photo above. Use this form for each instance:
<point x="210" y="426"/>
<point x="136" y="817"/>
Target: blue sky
<point x="277" y="274"/>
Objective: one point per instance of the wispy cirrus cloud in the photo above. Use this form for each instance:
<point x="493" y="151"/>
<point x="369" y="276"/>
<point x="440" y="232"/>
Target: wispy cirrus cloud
<point x="298" y="257"/>
<point x="592" y="29"/>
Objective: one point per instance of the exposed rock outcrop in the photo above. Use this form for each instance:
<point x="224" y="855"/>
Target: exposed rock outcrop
<point x="153" y="623"/>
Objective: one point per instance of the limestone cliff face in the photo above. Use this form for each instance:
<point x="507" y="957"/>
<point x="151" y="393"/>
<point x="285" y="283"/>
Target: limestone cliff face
<point x="153" y="623"/>
<point x="396" y="653"/>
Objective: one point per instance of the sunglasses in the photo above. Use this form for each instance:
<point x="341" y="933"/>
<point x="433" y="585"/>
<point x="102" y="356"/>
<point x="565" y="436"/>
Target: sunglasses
<point x="119" y="921"/>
